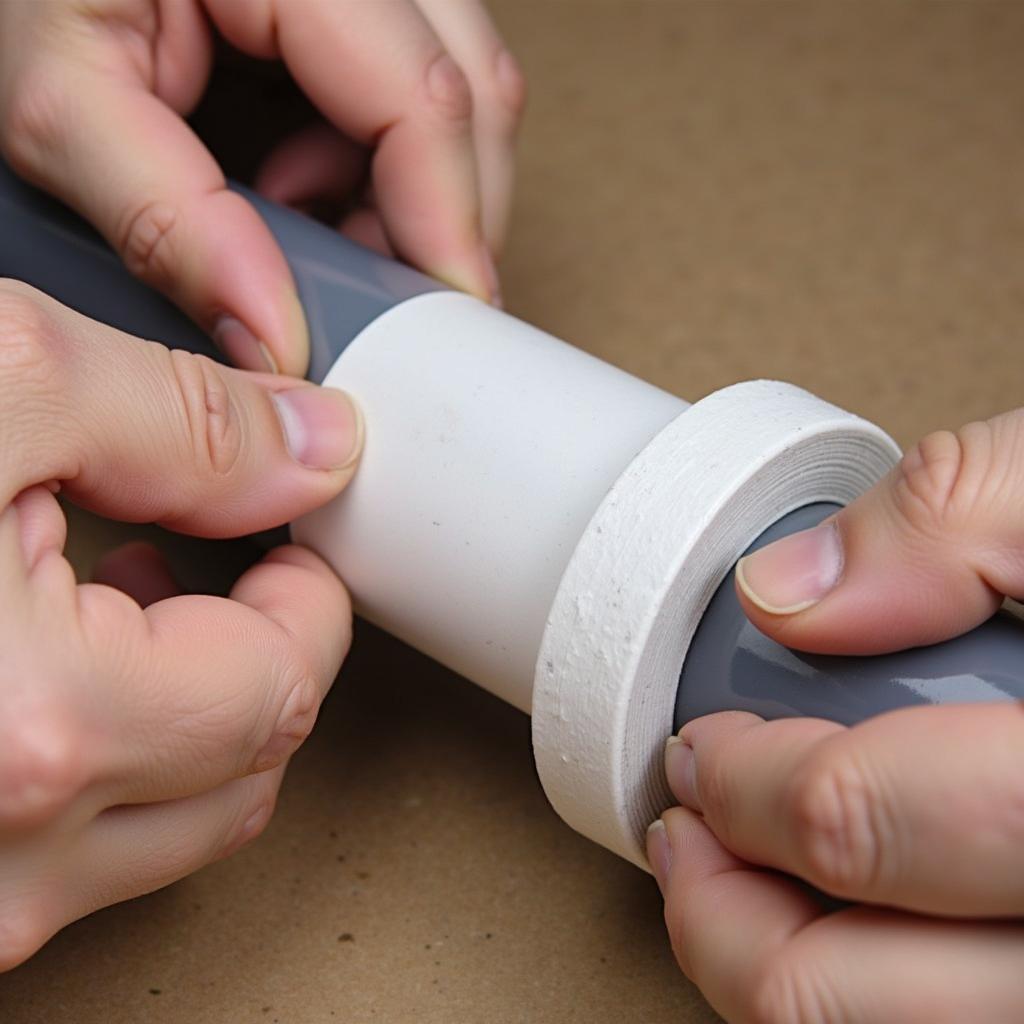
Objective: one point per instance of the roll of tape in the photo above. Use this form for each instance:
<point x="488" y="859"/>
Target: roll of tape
<point x="643" y="572"/>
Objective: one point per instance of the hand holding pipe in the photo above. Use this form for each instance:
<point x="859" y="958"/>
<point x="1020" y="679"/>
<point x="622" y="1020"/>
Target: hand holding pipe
<point x="545" y="524"/>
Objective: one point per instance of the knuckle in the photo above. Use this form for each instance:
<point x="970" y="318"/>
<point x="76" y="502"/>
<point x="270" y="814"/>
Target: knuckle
<point x="207" y="409"/>
<point x="30" y="343"/>
<point x="941" y="479"/>
<point x="255" y="822"/>
<point x="839" y="824"/>
<point x="300" y="716"/>
<point x="1009" y="791"/>
<point x="292" y="723"/>
<point x="299" y="711"/>
<point x="145" y="237"/>
<point x="24" y="928"/>
<point x="790" y="990"/>
<point x="253" y="817"/>
<point x="290" y="708"/>
<point x="506" y="89"/>
<point x="42" y="768"/>
<point x="448" y="90"/>
<point x="33" y="117"/>
<point x="112" y="627"/>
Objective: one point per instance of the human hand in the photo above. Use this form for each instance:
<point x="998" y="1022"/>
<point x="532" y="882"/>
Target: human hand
<point x="92" y="104"/>
<point x="916" y="817"/>
<point x="144" y="733"/>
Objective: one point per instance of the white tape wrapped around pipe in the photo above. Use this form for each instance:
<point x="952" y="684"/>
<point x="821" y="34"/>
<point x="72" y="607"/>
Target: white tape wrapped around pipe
<point x="527" y="512"/>
<point x="642" y="574"/>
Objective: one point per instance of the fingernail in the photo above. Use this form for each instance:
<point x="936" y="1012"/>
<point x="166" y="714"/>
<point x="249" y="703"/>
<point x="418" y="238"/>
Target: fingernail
<point x="254" y="824"/>
<point x="659" y="853"/>
<point x="793" y="573"/>
<point x="241" y="346"/>
<point x="293" y="725"/>
<point x="323" y="427"/>
<point x="298" y="329"/>
<point x="510" y="79"/>
<point x="490" y="273"/>
<point x="446" y="83"/>
<point x="681" y="772"/>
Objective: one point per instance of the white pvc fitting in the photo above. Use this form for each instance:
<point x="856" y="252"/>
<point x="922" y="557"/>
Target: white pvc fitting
<point x="489" y="445"/>
<point x="552" y="528"/>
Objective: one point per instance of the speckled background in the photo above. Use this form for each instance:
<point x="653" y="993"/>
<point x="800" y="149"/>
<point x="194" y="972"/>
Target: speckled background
<point x="831" y="193"/>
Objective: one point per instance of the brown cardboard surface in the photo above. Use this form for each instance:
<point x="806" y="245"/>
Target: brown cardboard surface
<point x="826" y="193"/>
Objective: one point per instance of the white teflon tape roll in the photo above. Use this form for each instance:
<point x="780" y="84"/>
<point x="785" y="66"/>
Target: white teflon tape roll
<point x="641" y="576"/>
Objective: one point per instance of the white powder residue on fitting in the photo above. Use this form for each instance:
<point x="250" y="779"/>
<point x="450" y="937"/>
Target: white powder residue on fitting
<point x="642" y="574"/>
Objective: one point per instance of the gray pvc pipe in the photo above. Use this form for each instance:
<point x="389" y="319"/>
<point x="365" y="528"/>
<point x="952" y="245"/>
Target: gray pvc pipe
<point x="733" y="666"/>
<point x="344" y="287"/>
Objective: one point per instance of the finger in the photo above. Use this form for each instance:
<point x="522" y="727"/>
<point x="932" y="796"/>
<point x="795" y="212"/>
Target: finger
<point x="299" y="592"/>
<point x="139" y="570"/>
<point x="379" y="73"/>
<point x="140" y="433"/>
<point x="13" y="571"/>
<point x="499" y="96"/>
<point x="363" y="225"/>
<point x="703" y="885"/>
<point x="757" y="948"/>
<point x="918" y="808"/>
<point x="925" y="555"/>
<point x="208" y="689"/>
<point x="41" y="524"/>
<point x="319" y="163"/>
<point x="316" y="162"/>
<point x="131" y="850"/>
<point x="150" y="187"/>
<point x="53" y="879"/>
<point x="32" y="535"/>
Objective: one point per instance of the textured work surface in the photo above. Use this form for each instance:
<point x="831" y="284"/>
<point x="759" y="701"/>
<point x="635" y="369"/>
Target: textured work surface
<point x="826" y="193"/>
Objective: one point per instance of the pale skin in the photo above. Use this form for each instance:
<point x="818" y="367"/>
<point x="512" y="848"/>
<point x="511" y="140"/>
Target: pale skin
<point x="127" y="762"/>
<point x="144" y="732"/>
<point x="916" y="818"/>
<point x="420" y="102"/>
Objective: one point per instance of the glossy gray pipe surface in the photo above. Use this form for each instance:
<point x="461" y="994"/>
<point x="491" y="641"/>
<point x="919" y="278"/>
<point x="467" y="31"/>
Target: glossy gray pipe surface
<point x="342" y="286"/>
<point x="733" y="666"/>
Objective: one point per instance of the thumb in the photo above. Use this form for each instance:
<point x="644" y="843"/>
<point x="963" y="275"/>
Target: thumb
<point x="926" y="554"/>
<point x="141" y="433"/>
